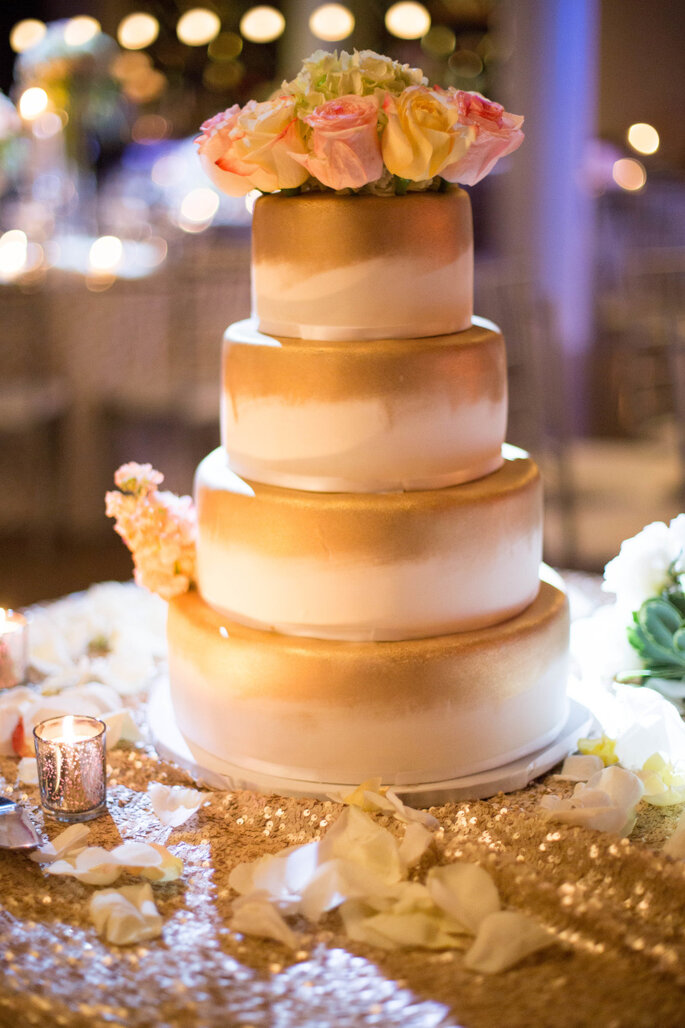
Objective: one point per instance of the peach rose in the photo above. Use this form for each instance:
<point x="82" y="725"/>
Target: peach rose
<point x="497" y="134"/>
<point x="253" y="147"/>
<point x="423" y="134"/>
<point x="346" y="150"/>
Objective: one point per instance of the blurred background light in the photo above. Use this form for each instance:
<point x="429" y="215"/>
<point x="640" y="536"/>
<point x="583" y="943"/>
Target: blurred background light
<point x="32" y="102"/>
<point x="13" y="253"/>
<point x="262" y="24"/>
<point x="198" y="26"/>
<point x="149" y="128"/>
<point x="105" y="254"/>
<point x="439" y="41"/>
<point x="199" y="205"/>
<point x="47" y="124"/>
<point x="137" y="31"/>
<point x="407" y="20"/>
<point x="629" y="174"/>
<point x="81" y="30"/>
<point x="466" y="64"/>
<point x="643" y="137"/>
<point x="226" y="47"/>
<point x="26" y="34"/>
<point x="331" y="22"/>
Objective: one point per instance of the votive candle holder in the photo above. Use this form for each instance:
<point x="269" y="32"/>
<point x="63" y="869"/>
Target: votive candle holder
<point x="72" y="772"/>
<point x="13" y="648"/>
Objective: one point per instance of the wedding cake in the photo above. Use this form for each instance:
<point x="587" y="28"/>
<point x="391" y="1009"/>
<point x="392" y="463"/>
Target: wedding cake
<point x="368" y="597"/>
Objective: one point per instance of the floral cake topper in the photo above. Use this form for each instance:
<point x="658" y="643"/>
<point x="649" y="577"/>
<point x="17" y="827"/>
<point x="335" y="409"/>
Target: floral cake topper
<point x="357" y="121"/>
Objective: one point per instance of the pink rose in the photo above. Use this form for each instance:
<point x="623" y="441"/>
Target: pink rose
<point x="346" y="149"/>
<point x="254" y="147"/>
<point x="497" y="134"/>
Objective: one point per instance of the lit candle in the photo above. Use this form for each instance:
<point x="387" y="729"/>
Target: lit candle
<point x="13" y="648"/>
<point x="70" y="752"/>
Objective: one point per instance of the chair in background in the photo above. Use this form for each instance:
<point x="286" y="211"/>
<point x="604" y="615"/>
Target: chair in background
<point x="162" y="402"/>
<point x="34" y="400"/>
<point x="538" y="414"/>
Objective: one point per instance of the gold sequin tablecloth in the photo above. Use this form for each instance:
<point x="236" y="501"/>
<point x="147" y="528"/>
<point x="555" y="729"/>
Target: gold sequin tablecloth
<point x="617" y="908"/>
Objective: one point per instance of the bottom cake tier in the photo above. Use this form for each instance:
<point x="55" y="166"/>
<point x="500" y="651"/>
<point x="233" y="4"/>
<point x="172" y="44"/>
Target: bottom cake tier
<point x="423" y="710"/>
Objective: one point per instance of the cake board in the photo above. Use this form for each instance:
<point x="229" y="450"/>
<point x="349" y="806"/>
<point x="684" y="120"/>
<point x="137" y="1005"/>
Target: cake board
<point x="170" y="745"/>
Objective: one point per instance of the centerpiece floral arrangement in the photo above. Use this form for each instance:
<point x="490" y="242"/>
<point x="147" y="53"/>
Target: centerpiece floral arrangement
<point x="648" y="578"/>
<point x="360" y="122"/>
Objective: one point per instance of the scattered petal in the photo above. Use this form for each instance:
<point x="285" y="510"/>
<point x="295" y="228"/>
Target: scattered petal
<point x="464" y="891"/>
<point x="282" y="877"/>
<point x="127" y="915"/>
<point x="97" y="866"/>
<point x="416" y="841"/>
<point x="580" y="767"/>
<point x="405" y="813"/>
<point x="121" y="727"/>
<point x="662" y="784"/>
<point x="93" y="866"/>
<point x="604" y="748"/>
<point x="505" y="938"/>
<point x="356" y="837"/>
<point x="675" y="846"/>
<point x="255" y="915"/>
<point x="28" y="771"/>
<point x="69" y="841"/>
<point x="174" y="805"/>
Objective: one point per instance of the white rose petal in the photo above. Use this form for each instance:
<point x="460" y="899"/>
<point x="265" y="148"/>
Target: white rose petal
<point x="97" y="866"/>
<point x="255" y="915"/>
<point x="127" y="915"/>
<point x="174" y="805"/>
<point x="505" y="938"/>
<point x="70" y="840"/>
<point x="337" y="880"/>
<point x="405" y="813"/>
<point x="356" y="837"/>
<point x="281" y="877"/>
<point x="27" y="771"/>
<point x="464" y="891"/>
<point x="121" y="727"/>
<point x="93" y="866"/>
<point x="623" y="787"/>
<point x="579" y="767"/>
<point x="416" y="841"/>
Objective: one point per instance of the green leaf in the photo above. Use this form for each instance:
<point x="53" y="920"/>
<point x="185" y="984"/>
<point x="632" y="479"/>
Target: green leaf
<point x="401" y="185"/>
<point x="659" y="619"/>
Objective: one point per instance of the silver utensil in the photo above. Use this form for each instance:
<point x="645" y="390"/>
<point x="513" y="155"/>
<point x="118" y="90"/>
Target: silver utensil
<point x="17" y="831"/>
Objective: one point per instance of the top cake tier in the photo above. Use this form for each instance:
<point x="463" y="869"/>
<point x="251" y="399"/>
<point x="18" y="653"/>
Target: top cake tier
<point x="333" y="267"/>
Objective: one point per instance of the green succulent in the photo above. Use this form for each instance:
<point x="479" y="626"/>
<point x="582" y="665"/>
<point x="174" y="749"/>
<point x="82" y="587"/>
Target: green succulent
<point x="658" y="635"/>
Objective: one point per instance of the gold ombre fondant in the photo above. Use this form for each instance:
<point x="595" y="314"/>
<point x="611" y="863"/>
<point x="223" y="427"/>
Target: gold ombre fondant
<point x="420" y="710"/>
<point x="365" y="565"/>
<point x="368" y="554"/>
<point x="363" y="267"/>
<point x="312" y="414"/>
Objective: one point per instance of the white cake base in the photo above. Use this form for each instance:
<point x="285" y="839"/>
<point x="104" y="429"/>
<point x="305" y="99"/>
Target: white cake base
<point x="170" y="744"/>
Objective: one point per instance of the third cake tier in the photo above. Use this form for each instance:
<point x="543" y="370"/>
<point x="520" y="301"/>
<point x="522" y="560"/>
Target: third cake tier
<point x="370" y="566"/>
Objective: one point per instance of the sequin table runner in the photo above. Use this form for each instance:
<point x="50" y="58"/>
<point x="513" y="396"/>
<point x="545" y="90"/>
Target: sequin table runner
<point x="616" y="907"/>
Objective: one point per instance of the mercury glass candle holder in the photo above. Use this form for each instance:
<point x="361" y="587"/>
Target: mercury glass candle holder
<point x="70" y="753"/>
<point x="13" y="648"/>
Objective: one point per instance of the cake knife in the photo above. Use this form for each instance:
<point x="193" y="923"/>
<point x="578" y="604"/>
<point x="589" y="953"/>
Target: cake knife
<point x="17" y="831"/>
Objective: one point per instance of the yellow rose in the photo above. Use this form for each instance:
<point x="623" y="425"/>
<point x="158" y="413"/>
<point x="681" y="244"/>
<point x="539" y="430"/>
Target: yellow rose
<point x="423" y="134"/>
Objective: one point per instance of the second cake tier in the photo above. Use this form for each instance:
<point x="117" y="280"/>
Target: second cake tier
<point x="418" y="413"/>
<point x="366" y="566"/>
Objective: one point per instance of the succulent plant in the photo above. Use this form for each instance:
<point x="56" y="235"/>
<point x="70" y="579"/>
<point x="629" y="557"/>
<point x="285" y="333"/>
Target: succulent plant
<point x="658" y="635"/>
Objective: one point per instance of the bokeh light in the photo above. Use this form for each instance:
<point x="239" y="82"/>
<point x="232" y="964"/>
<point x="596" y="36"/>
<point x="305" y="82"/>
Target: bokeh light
<point x="199" y="206"/>
<point x="226" y="47"/>
<point x="407" y="20"/>
<point x="439" y="41"/>
<point x="149" y="128"/>
<point x="643" y="137"/>
<point x="13" y="253"/>
<point x="629" y="174"/>
<point x="137" y="30"/>
<point x="105" y="254"/>
<point x="81" y="30"/>
<point x="262" y="24"/>
<point x="198" y="26"/>
<point x="32" y="102"/>
<point x="48" y="124"/>
<point x="466" y="64"/>
<point x="26" y="34"/>
<point x="331" y="22"/>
